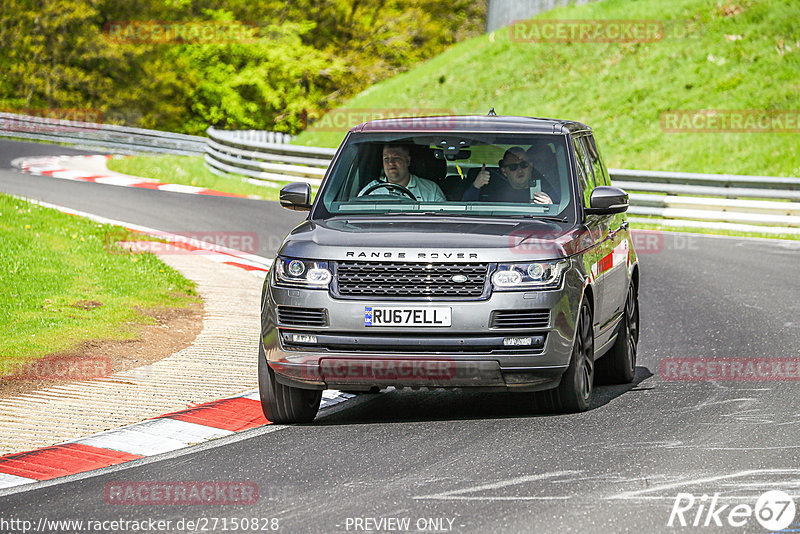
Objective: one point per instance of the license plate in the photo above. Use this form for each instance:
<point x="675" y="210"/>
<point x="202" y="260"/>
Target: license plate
<point x="406" y="316"/>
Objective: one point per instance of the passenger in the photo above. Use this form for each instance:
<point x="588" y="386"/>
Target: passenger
<point x="396" y="162"/>
<point x="517" y="171"/>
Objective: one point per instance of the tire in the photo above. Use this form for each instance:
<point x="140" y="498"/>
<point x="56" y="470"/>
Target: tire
<point x="284" y="404"/>
<point x="574" y="392"/>
<point x="619" y="365"/>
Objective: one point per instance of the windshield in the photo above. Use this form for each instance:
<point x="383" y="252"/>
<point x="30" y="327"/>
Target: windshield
<point x="495" y="175"/>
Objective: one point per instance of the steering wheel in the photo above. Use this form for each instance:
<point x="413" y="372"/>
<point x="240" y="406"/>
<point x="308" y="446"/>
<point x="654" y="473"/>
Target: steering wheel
<point x="390" y="185"/>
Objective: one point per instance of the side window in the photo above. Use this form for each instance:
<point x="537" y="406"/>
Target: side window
<point x="585" y="174"/>
<point x="600" y="173"/>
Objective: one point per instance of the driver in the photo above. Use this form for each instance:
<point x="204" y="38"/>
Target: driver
<point x="396" y="161"/>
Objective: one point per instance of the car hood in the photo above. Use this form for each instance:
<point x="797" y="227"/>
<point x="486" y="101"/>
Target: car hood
<point x="434" y="239"/>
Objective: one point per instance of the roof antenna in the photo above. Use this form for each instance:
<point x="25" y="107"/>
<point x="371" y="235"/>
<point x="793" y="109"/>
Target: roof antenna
<point x="492" y="113"/>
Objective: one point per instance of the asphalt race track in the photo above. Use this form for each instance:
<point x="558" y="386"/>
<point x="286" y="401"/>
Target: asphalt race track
<point x="167" y="211"/>
<point x="479" y="462"/>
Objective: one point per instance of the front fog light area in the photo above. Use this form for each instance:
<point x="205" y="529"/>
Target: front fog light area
<point x="302" y="273"/>
<point x="514" y="276"/>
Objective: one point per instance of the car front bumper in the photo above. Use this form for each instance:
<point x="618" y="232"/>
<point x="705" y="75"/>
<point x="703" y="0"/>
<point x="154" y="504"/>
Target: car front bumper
<point x="471" y="353"/>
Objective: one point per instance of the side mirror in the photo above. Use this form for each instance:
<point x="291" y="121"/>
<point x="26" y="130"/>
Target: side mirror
<point x="607" y="200"/>
<point x="296" y="196"/>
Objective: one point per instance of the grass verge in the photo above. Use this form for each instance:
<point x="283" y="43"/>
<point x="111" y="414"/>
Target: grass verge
<point x="65" y="283"/>
<point x="714" y="55"/>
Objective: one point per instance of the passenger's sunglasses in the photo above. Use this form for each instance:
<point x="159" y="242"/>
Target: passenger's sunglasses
<point x="515" y="166"/>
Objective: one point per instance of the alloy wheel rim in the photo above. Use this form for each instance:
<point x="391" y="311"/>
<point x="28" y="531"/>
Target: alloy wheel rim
<point x="584" y="350"/>
<point x="632" y="320"/>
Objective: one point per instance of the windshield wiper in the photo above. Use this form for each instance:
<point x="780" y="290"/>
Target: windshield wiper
<point x="449" y="214"/>
<point x="540" y="218"/>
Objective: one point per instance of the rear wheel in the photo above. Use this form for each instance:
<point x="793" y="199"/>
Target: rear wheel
<point x="574" y="393"/>
<point x="619" y="365"/>
<point x="284" y="404"/>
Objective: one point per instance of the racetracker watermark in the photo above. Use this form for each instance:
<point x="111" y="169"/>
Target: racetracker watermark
<point x="212" y="493"/>
<point x="586" y="31"/>
<point x="117" y="242"/>
<point x="730" y="369"/>
<point x="56" y="368"/>
<point x="774" y="510"/>
<point x="730" y="121"/>
<point x="143" y="524"/>
<point x="180" y="32"/>
<point x="345" y="370"/>
<point x="655" y="242"/>
<point x="341" y="120"/>
<point x="48" y="120"/>
<point x="644" y="242"/>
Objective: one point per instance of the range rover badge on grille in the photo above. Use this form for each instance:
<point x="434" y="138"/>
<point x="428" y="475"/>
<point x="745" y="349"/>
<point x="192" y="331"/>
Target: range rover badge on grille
<point x="458" y="278"/>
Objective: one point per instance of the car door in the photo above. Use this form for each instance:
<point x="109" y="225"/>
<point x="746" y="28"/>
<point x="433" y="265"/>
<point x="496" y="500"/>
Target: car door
<point x="598" y="228"/>
<point x="615" y="285"/>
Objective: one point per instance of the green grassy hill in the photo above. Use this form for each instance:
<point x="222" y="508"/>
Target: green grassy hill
<point x="715" y="54"/>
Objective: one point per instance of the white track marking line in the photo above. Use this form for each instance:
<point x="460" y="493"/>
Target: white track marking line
<point x="9" y="481"/>
<point x="178" y="188"/>
<point x="70" y="174"/>
<point x="116" y="180"/>
<point x="155" y="436"/>
<point x="238" y="436"/>
<point x="459" y="494"/>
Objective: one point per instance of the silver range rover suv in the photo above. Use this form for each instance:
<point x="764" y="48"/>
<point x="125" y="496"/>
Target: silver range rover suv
<point x="453" y="252"/>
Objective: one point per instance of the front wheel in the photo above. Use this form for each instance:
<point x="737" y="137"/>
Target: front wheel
<point x="284" y="404"/>
<point x="574" y="393"/>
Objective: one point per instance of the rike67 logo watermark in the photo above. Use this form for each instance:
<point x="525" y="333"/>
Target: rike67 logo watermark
<point x="774" y="510"/>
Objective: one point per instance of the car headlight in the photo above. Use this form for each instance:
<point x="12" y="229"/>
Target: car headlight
<point x="539" y="275"/>
<point x="302" y="273"/>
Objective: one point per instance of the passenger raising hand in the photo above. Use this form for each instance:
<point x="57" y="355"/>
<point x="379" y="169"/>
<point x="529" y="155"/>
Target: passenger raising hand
<point x="482" y="178"/>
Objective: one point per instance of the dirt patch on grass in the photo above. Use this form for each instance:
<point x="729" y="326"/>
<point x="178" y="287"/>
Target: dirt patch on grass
<point x="174" y="330"/>
<point x="86" y="304"/>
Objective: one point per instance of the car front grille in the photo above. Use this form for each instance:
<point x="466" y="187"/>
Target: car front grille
<point x="390" y="279"/>
<point x="296" y="316"/>
<point x="520" y="319"/>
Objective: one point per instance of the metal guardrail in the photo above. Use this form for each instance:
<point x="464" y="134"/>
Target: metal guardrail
<point x="764" y="204"/>
<point x="268" y="158"/>
<point x="117" y="139"/>
<point x="747" y="203"/>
